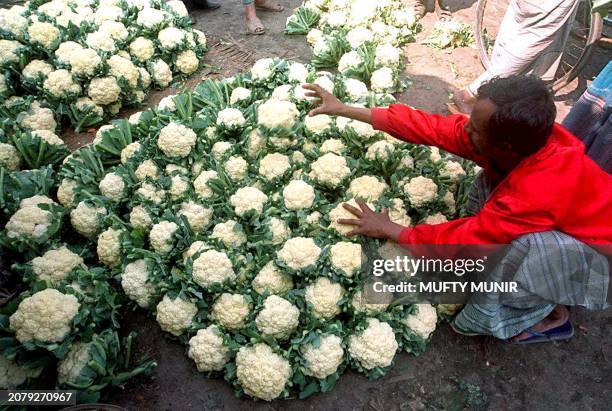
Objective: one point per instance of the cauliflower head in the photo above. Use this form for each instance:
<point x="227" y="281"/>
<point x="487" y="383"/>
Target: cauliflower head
<point x="54" y="265"/>
<point x="212" y="267"/>
<point x="278" y="318"/>
<point x="375" y="346"/>
<point x="230" y="311"/>
<point x="299" y="252"/>
<point x="423" y="322"/>
<point x="175" y="315"/>
<point x="135" y="283"/>
<point x="208" y="350"/>
<point x="261" y="372"/>
<point x="271" y="279"/>
<point x="324" y="360"/>
<point x="325" y="297"/>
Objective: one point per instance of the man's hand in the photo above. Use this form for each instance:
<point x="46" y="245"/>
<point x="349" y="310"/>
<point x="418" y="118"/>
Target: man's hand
<point x="370" y="223"/>
<point x="327" y="102"/>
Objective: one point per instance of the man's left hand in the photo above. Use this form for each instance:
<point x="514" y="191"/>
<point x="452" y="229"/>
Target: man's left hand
<point x="370" y="223"/>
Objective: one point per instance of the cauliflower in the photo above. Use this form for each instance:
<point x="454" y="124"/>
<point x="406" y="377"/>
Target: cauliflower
<point x="86" y="219"/>
<point x="339" y="213"/>
<point x="84" y="104"/>
<point x="437" y="218"/>
<point x="187" y="62"/>
<point x="324" y="359"/>
<point x="278" y="318"/>
<point x="272" y="280"/>
<point x="230" y="311"/>
<point x="357" y="36"/>
<point x="140" y="218"/>
<point x="109" y="247"/>
<point x="255" y="142"/>
<point x="101" y="41"/>
<point x="112" y="187"/>
<point x="349" y="61"/>
<point x="282" y="93"/>
<point x="262" y="373"/>
<point x="161" y="73"/>
<point x="142" y="49"/>
<point x="240" y="94"/>
<point x="434" y="154"/>
<point x="9" y="51"/>
<point x="11" y="374"/>
<point x="45" y="34"/>
<point x="65" y="192"/>
<point x="220" y="148"/>
<point x="176" y="140"/>
<point x="135" y="283"/>
<point x="46" y="316"/>
<point x="277" y="114"/>
<point x="420" y="190"/>
<point x="230" y="118"/>
<point x="361" y="305"/>
<point x="150" y="192"/>
<point x="175" y="315"/>
<point x="197" y="215"/>
<point x="274" y="165"/>
<point x="330" y="169"/>
<point x="70" y="367"/>
<point x="230" y="233"/>
<point x="65" y="51"/>
<point x="279" y="229"/>
<point x="262" y="69"/>
<point x="150" y="18"/>
<point x="449" y="201"/>
<point x="452" y="170"/>
<point x="171" y="38"/>
<point x="325" y="297"/>
<point x="201" y="186"/>
<point x="30" y="221"/>
<point x="318" y="124"/>
<point x="236" y="168"/>
<point x="423" y="321"/>
<point x="59" y="83"/>
<point x="380" y="150"/>
<point x="123" y="68"/>
<point x="115" y="29"/>
<point x="104" y="90"/>
<point x="313" y="36"/>
<point x="13" y="22"/>
<point x="355" y="89"/>
<point x="383" y="80"/>
<point x="212" y="267"/>
<point x="346" y="257"/>
<point x="178" y="187"/>
<point x="9" y="157"/>
<point x="367" y="188"/>
<point x="37" y="118"/>
<point x="134" y="119"/>
<point x="178" y="7"/>
<point x="54" y="265"/>
<point x="246" y="199"/>
<point x="208" y="350"/>
<point x="36" y="69"/>
<point x="398" y="213"/>
<point x="299" y="252"/>
<point x="147" y="168"/>
<point x="297" y="73"/>
<point x="386" y="55"/>
<point x="375" y="346"/>
<point x="161" y="236"/>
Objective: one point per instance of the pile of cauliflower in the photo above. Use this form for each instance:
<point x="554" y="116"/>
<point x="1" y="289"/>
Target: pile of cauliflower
<point x="362" y="38"/>
<point x="224" y="226"/>
<point x="80" y="61"/>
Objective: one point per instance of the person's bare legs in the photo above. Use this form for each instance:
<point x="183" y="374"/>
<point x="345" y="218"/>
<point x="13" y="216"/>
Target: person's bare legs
<point x="558" y="316"/>
<point x="254" y="25"/>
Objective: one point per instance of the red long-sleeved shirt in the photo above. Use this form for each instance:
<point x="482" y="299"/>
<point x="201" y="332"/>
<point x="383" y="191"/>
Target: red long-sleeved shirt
<point x="557" y="188"/>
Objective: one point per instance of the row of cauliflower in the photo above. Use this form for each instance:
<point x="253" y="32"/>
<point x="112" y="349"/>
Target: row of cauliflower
<point x="218" y="211"/>
<point x="79" y="62"/>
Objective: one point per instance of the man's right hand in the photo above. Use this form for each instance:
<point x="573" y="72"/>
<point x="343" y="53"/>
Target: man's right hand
<point x="326" y="101"/>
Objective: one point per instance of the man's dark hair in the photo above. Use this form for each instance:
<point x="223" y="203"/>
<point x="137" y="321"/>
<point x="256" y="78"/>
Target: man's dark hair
<point x="525" y="112"/>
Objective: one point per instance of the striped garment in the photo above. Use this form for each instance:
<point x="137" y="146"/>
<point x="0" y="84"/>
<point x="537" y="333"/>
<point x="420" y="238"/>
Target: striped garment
<point x="550" y="268"/>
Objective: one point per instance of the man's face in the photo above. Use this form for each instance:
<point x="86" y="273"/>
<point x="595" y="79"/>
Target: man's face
<point x="477" y="127"/>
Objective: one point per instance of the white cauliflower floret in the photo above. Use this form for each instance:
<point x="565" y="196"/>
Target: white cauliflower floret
<point x="142" y="49"/>
<point x="129" y="151"/>
<point x="161" y="73"/>
<point x="200" y="184"/>
<point x="140" y="218"/>
<point x="170" y="38"/>
<point x="45" y="34"/>
<point x="437" y="218"/>
<point x="220" y="148"/>
<point x="45" y="316"/>
<point x="363" y="130"/>
<point x="207" y="349"/>
<point x="176" y="140"/>
<point x="86" y="219"/>
<point x="240" y="94"/>
<point x="197" y="215"/>
<point x="355" y="89"/>
<point x="398" y="213"/>
<point x="449" y="201"/>
<point x="60" y="84"/>
<point x="350" y="60"/>
<point x="339" y="213"/>
<point x="147" y="168"/>
<point x="255" y="142"/>
<point x="187" y="62"/>
<point x="38" y="118"/>
<point x="161" y="236"/>
<point x="246" y="199"/>
<point x="313" y="36"/>
<point x="297" y="73"/>
<point x="123" y="68"/>
<point x="230" y="233"/>
<point x="230" y="311"/>
<point x="260" y="372"/>
<point x="299" y="252"/>
<point x="421" y="190"/>
<point x="54" y="265"/>
<point x="423" y="321"/>
<point x="323" y="360"/>
<point x="346" y="256"/>
<point x="367" y="188"/>
<point x="274" y="165"/>
<point x="375" y="346"/>
<point x="178" y="7"/>
<point x="112" y="187"/>
<point x="330" y="169"/>
<point x="151" y="193"/>
<point x="11" y="374"/>
<point x="279" y="229"/>
<point x="150" y="18"/>
<point x="13" y="22"/>
<point x="380" y="150"/>
<point x="65" y="51"/>
<point x="9" y="51"/>
<point x="70" y="367"/>
<point x="135" y="284"/>
<point x="236" y="168"/>
<point x="383" y="80"/>
<point x="115" y="29"/>
<point x="230" y="118"/>
<point x="134" y="119"/>
<point x="104" y="90"/>
<point x="262" y="69"/>
<point x="452" y="170"/>
<point x="65" y="192"/>
<point x="29" y="221"/>
<point x="387" y="55"/>
<point x="212" y="267"/>
<point x="282" y="93"/>
<point x="277" y="114"/>
<point x="272" y="280"/>
<point x="278" y="318"/>
<point x="36" y="68"/>
<point x="318" y="124"/>
<point x="109" y="247"/>
<point x="361" y="305"/>
<point x="325" y="297"/>
<point x="9" y="157"/>
<point x="84" y="104"/>
<point x="101" y="41"/>
<point x="175" y="316"/>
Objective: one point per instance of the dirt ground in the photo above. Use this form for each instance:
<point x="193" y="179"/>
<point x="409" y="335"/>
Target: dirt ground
<point x="456" y="372"/>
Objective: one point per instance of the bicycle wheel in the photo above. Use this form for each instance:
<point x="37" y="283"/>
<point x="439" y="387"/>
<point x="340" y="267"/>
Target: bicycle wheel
<point x="586" y="31"/>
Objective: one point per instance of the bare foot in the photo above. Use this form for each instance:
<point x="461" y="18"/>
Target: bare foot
<point x="269" y="5"/>
<point x="558" y="316"/>
<point x="464" y="101"/>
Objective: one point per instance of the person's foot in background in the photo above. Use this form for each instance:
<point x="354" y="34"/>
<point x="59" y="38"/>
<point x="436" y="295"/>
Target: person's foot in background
<point x="200" y="4"/>
<point x="254" y="25"/>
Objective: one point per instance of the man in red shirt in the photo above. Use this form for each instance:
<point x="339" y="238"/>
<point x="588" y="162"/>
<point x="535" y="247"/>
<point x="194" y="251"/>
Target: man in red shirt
<point x="539" y="178"/>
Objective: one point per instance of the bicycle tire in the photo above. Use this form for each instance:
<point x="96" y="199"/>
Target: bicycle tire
<point x="594" y="35"/>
